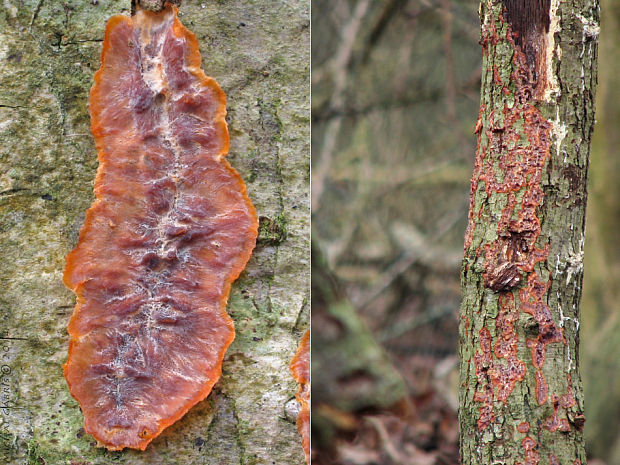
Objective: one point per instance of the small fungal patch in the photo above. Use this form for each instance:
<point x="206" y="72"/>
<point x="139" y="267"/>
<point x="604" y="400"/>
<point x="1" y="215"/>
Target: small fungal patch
<point x="555" y="422"/>
<point x="523" y="427"/>
<point x="541" y="388"/>
<point x="300" y="368"/>
<point x="171" y="228"/>
<point x="532" y="457"/>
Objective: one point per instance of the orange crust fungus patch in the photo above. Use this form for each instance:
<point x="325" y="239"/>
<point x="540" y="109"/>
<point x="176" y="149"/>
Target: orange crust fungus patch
<point x="533" y="302"/>
<point x="300" y="368"/>
<point x="514" y="147"/>
<point x="483" y="361"/>
<point x="555" y="422"/>
<point x="497" y="378"/>
<point x="523" y="427"/>
<point x="171" y="228"/>
<point x="532" y="457"/>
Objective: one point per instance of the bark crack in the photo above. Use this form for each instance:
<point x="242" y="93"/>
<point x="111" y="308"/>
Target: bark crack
<point x="35" y="14"/>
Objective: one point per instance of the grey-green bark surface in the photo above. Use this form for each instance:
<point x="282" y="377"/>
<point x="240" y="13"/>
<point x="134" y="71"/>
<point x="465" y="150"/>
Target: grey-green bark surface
<point x="521" y="399"/>
<point x="258" y="51"/>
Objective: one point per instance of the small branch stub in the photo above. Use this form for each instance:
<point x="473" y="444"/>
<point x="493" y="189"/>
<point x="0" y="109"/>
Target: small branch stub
<point x="503" y="277"/>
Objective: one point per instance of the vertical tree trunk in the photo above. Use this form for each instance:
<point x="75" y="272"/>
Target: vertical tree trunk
<point x="520" y="393"/>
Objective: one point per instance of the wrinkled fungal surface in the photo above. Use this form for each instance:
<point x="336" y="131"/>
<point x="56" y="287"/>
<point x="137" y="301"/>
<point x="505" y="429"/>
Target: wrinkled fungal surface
<point x="300" y="368"/>
<point x="172" y="227"/>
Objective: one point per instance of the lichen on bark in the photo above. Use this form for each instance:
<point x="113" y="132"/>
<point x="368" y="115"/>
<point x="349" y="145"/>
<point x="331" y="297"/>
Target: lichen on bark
<point x="49" y="51"/>
<point x="521" y="398"/>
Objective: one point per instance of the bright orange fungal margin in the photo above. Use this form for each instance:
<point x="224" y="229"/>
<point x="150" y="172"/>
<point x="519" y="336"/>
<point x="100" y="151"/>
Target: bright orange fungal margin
<point x="170" y="230"/>
<point x="300" y="368"/>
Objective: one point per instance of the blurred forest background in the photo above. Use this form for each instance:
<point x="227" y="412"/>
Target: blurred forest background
<point x="395" y="95"/>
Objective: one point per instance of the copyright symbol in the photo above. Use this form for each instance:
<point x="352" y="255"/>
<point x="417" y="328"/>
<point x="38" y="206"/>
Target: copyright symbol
<point x="5" y="369"/>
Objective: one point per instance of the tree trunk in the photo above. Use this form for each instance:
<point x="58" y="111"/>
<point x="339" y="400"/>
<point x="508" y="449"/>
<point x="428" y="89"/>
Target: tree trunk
<point x="49" y="51"/>
<point x="520" y="389"/>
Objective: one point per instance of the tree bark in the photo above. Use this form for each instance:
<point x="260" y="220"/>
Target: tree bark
<point x="49" y="51"/>
<point x="521" y="398"/>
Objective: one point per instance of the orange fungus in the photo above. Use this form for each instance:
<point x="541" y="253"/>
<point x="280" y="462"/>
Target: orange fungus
<point x="300" y="367"/>
<point x="171" y="228"/>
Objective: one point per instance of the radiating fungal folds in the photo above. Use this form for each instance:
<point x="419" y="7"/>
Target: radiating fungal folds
<point x="171" y="228"/>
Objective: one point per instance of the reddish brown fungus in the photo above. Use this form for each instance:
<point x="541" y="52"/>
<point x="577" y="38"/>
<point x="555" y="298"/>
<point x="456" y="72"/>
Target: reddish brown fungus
<point x="487" y="416"/>
<point x="300" y="368"/>
<point x="532" y="457"/>
<point x="521" y="163"/>
<point x="541" y="388"/>
<point x="555" y="422"/>
<point x="506" y="375"/>
<point x="496" y="77"/>
<point x="533" y="302"/>
<point x="491" y="373"/>
<point x="568" y="400"/>
<point x="172" y="227"/>
<point x="514" y="145"/>
<point x="523" y="427"/>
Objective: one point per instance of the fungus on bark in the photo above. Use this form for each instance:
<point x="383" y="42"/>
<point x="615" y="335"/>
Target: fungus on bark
<point x="300" y="368"/>
<point x="517" y="236"/>
<point x="171" y="228"/>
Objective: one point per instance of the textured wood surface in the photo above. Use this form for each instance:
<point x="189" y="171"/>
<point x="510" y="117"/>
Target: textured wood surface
<point x="521" y="397"/>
